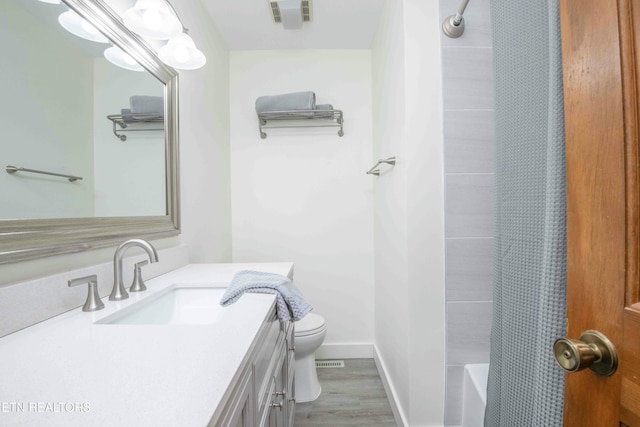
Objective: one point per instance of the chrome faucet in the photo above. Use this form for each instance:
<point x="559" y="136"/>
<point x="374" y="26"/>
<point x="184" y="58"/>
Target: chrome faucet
<point x="118" y="292"/>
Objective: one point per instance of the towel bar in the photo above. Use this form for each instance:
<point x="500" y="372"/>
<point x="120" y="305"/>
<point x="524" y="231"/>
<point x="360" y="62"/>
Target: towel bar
<point x="373" y="171"/>
<point x="14" y="169"/>
<point x="300" y="119"/>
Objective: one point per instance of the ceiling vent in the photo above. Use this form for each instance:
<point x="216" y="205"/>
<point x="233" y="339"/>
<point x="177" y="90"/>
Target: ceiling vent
<point x="291" y="13"/>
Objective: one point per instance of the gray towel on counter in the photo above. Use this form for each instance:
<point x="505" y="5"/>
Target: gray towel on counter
<point x="290" y="303"/>
<point x="286" y="102"/>
<point x="141" y="104"/>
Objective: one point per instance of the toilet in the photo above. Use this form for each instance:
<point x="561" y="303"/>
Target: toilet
<point x="309" y="334"/>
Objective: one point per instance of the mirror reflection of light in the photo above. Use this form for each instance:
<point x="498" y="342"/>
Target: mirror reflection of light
<point x="118" y="57"/>
<point x="88" y="27"/>
<point x="128" y="59"/>
<point x="78" y="26"/>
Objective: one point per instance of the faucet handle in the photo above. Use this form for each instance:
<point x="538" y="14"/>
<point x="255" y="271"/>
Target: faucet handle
<point x="93" y="302"/>
<point x="138" y="284"/>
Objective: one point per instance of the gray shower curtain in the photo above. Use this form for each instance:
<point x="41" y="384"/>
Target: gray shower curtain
<point x="525" y="386"/>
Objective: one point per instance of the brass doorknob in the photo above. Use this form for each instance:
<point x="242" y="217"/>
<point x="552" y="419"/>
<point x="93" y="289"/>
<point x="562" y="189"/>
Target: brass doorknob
<point x="593" y="350"/>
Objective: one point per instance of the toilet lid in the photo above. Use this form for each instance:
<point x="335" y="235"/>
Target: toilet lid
<point x="309" y="324"/>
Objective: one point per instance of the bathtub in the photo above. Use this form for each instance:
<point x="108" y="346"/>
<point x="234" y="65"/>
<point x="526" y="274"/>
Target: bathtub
<point x="474" y="394"/>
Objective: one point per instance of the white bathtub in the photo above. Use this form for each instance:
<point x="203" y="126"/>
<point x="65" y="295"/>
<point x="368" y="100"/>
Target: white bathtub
<point x="474" y="394"/>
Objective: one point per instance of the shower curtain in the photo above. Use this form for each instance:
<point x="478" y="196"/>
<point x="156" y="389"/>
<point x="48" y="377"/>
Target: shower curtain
<point x="525" y="387"/>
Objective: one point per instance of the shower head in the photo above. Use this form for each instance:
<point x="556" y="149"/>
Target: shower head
<point x="453" y="26"/>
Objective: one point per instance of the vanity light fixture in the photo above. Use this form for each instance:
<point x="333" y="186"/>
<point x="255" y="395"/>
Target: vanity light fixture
<point x="158" y="20"/>
<point x="153" y="19"/>
<point x="181" y="52"/>
<point x="80" y="27"/>
<point x="118" y="57"/>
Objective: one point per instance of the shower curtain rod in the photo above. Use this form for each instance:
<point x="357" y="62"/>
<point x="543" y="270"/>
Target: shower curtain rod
<point x="453" y="26"/>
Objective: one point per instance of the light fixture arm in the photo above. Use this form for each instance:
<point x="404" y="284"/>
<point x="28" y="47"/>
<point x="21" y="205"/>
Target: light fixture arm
<point x="175" y="12"/>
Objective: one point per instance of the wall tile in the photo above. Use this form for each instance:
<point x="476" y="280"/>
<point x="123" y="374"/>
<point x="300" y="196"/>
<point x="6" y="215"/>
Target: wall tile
<point x="468" y="332"/>
<point x="467" y="78"/>
<point x="477" y="20"/>
<point x="469" y="205"/>
<point x="453" y="399"/>
<point x="469" y="269"/>
<point x="468" y="141"/>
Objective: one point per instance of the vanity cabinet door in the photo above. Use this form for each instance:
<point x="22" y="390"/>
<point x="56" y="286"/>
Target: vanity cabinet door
<point x="241" y="412"/>
<point x="278" y="410"/>
<point x="265" y="395"/>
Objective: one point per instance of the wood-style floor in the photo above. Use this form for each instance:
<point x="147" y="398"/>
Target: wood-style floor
<point x="351" y="396"/>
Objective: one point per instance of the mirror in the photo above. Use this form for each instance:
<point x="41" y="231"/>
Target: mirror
<point x="90" y="149"/>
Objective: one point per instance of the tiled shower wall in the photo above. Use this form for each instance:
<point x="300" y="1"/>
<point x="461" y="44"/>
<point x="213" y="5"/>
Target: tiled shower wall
<point x="467" y="69"/>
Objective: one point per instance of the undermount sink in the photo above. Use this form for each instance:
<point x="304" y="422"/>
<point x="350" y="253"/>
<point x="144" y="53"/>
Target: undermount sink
<point x="177" y="305"/>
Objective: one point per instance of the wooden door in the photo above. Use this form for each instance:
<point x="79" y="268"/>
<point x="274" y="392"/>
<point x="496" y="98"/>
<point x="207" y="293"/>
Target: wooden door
<point x="600" y="65"/>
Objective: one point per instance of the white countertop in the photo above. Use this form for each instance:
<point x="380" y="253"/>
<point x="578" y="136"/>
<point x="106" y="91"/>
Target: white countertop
<point x="69" y="371"/>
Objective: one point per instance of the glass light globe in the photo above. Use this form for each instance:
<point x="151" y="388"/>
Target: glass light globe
<point x="152" y="19"/>
<point x="181" y="52"/>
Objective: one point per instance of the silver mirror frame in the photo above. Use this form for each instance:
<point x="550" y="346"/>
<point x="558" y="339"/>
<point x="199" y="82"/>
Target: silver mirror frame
<point x="22" y="240"/>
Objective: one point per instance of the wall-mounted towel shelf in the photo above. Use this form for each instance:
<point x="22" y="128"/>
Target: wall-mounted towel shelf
<point x="121" y="123"/>
<point x="300" y="119"/>
<point x="14" y="169"/>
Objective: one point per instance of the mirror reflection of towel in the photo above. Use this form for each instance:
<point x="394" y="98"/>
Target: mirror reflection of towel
<point x="141" y="104"/>
<point x="324" y="111"/>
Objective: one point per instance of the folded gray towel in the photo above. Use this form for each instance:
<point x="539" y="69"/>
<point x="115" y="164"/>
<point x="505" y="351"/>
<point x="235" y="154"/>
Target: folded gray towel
<point x="141" y="104"/>
<point x="290" y="304"/>
<point x="323" y="107"/>
<point x="286" y="101"/>
<point x="127" y="117"/>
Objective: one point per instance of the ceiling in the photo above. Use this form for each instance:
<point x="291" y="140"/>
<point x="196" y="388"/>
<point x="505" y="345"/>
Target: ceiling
<point x="335" y="24"/>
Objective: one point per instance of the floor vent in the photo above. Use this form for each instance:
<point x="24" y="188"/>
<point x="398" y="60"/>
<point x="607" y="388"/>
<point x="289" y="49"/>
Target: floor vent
<point x="329" y="363"/>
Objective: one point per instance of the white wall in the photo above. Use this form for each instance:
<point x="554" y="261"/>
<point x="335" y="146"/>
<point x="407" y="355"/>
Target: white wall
<point x="391" y="257"/>
<point x="409" y="206"/>
<point x="45" y="117"/>
<point x="302" y="195"/>
<point x="204" y="142"/>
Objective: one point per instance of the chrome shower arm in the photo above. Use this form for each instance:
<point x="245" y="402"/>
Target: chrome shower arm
<point x="460" y="12"/>
<point x="453" y="26"/>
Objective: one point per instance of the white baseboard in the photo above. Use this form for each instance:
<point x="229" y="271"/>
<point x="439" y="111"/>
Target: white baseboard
<point x="398" y="415"/>
<point x="345" y="351"/>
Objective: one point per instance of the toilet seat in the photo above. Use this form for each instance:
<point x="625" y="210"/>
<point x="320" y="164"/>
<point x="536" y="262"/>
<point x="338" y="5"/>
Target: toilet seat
<point x="310" y="324"/>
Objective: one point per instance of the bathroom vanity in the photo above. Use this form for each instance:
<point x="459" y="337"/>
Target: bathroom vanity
<point x="206" y="365"/>
<point x="264" y="394"/>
